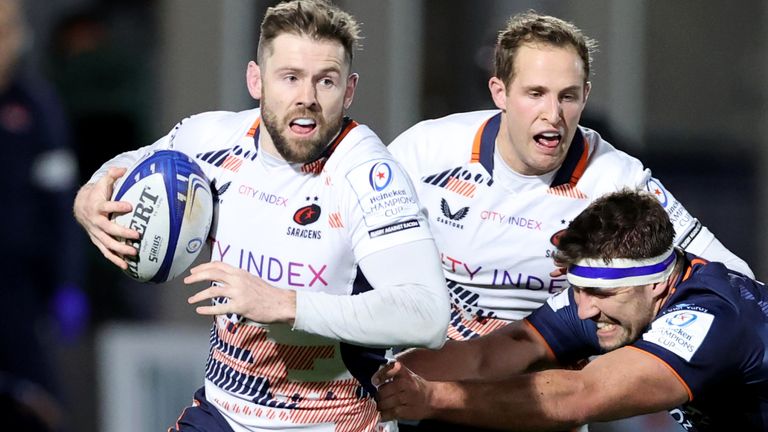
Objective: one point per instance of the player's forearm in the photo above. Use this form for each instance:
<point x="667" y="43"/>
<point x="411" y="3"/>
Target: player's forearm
<point x="503" y="353"/>
<point x="539" y="401"/>
<point x="408" y="306"/>
<point x="397" y="316"/>
<point x="453" y="362"/>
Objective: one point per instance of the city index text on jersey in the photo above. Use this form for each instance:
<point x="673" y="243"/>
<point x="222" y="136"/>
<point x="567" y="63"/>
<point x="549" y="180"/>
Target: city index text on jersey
<point x="270" y="268"/>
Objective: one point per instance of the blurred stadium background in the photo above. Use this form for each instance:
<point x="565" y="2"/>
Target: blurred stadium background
<point x="679" y="84"/>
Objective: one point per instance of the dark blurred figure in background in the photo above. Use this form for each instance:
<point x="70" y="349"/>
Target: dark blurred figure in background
<point x="101" y="80"/>
<point x="43" y="304"/>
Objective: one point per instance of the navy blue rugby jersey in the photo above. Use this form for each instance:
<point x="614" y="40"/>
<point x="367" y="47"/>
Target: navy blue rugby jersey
<point x="712" y="331"/>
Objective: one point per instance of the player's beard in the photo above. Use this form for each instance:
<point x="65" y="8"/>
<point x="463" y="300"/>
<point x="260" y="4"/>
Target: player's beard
<point x="622" y="340"/>
<point x="300" y="150"/>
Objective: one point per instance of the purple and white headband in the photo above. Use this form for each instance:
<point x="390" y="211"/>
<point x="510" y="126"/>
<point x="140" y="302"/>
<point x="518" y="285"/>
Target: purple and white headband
<point x="621" y="272"/>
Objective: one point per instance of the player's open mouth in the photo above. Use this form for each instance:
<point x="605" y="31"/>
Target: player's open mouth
<point x="303" y="126"/>
<point x="604" y="327"/>
<point x="548" y="139"/>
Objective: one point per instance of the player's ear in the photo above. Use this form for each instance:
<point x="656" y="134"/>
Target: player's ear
<point x="660" y="289"/>
<point x="349" y="93"/>
<point x="253" y="80"/>
<point x="498" y="93"/>
<point x="587" y="89"/>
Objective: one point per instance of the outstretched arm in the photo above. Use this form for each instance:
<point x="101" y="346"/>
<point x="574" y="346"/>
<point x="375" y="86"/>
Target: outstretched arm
<point x="623" y="383"/>
<point x="508" y="351"/>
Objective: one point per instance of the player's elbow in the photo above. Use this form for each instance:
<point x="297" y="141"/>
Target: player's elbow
<point x="430" y="319"/>
<point x="432" y="328"/>
<point x="436" y="331"/>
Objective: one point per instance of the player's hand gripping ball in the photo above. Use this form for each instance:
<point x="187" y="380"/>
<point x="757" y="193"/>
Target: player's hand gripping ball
<point x="172" y="210"/>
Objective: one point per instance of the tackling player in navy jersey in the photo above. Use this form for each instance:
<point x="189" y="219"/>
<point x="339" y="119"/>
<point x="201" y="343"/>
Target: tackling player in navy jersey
<point x="675" y="331"/>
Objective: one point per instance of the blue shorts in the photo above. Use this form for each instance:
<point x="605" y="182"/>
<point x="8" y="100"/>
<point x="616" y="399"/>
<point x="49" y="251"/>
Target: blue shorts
<point x="200" y="417"/>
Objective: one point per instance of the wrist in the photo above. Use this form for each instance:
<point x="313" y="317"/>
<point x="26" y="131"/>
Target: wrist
<point x="442" y="398"/>
<point x="289" y="308"/>
<point x="437" y="398"/>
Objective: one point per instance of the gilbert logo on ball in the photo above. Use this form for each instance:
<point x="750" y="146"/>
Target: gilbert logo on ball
<point x="172" y="210"/>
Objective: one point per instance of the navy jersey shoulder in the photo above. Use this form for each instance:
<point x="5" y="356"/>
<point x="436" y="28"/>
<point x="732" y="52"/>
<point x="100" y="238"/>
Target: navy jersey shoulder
<point x="570" y="338"/>
<point x="713" y="332"/>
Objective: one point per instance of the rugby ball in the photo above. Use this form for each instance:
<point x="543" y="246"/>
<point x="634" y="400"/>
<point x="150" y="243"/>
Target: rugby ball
<point x="172" y="210"/>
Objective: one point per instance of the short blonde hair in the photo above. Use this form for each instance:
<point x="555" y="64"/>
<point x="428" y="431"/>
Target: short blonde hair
<point x="531" y="27"/>
<point x="318" y="19"/>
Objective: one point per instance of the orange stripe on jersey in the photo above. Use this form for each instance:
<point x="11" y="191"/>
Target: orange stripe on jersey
<point x="195" y="403"/>
<point x="461" y="187"/>
<point x="254" y="127"/>
<point x="363" y="418"/>
<point x="274" y="361"/>
<point x="351" y="125"/>
<point x="476" y="142"/>
<point x="316" y="166"/>
<point x="478" y="326"/>
<point x="674" y="372"/>
<point x="568" y="190"/>
<point x="581" y="166"/>
<point x="334" y="220"/>
<point x="701" y="261"/>
<point x="551" y="353"/>
<point x="313" y="167"/>
<point x="232" y="163"/>
<point x="689" y="270"/>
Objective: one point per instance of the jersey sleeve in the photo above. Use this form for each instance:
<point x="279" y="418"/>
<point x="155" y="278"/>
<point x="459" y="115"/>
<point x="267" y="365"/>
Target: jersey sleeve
<point x="407" y="307"/>
<point x="557" y="321"/>
<point x="700" y="341"/>
<point x="382" y="206"/>
<point x="690" y="234"/>
<point x="628" y="172"/>
<point x="388" y="233"/>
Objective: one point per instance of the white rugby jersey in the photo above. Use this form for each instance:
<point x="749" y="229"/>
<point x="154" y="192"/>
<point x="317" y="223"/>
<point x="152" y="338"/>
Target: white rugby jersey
<point x="301" y="227"/>
<point x="497" y="230"/>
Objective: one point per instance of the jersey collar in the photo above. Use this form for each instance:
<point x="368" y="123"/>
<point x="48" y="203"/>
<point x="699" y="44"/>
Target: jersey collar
<point x="569" y="172"/>
<point x="689" y="264"/>
<point x="316" y="166"/>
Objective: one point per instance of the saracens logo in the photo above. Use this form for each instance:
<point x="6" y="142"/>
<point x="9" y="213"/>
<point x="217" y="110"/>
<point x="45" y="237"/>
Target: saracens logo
<point x="380" y="176"/>
<point x="307" y="214"/>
